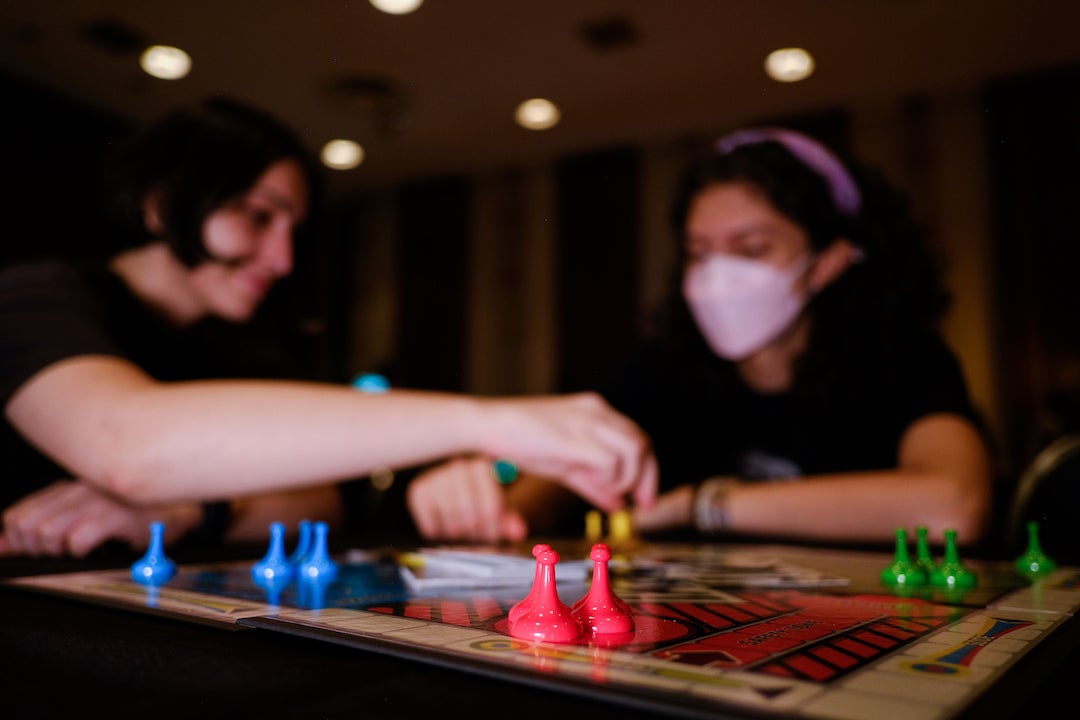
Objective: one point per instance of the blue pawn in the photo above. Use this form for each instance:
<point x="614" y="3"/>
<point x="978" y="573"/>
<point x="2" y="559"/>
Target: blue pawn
<point x="274" y="569"/>
<point x="303" y="545"/>
<point x="154" y="568"/>
<point x="319" y="566"/>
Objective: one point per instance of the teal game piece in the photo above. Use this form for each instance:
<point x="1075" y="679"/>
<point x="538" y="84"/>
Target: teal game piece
<point x="902" y="571"/>
<point x="505" y="470"/>
<point x="952" y="574"/>
<point x="154" y="568"/>
<point x="1034" y="561"/>
<point x="371" y="383"/>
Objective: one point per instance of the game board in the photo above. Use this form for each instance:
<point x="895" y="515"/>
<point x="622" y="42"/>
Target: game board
<point x="744" y="631"/>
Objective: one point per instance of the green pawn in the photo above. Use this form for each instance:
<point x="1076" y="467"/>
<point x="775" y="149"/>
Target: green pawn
<point x="1034" y="561"/>
<point x="951" y="573"/>
<point x="902" y="571"/>
<point x="923" y="556"/>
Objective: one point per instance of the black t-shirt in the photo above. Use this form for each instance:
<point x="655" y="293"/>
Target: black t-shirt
<point x="50" y="311"/>
<point x="704" y="421"/>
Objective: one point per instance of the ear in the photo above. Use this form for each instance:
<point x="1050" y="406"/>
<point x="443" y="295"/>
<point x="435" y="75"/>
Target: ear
<point x="151" y="211"/>
<point x="831" y="264"/>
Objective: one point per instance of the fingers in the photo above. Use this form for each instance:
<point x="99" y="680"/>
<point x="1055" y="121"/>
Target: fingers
<point x="611" y="458"/>
<point x="672" y="510"/>
<point x="67" y="518"/>
<point x="460" y="500"/>
<point x="37" y="525"/>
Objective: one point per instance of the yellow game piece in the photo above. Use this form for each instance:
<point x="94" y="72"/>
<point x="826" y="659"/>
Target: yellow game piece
<point x="621" y="527"/>
<point x="594" y="526"/>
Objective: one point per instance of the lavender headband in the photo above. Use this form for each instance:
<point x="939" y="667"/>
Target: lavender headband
<point x="845" y="193"/>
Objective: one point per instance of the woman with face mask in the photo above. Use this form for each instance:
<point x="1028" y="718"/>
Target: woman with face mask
<point x="115" y="374"/>
<point x="798" y="386"/>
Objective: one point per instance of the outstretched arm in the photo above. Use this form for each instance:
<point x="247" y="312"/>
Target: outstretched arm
<point x="147" y="442"/>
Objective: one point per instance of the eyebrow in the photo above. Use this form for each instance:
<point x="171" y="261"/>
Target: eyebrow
<point x="276" y="199"/>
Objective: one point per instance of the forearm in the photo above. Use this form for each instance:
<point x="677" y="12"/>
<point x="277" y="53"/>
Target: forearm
<point x="150" y="442"/>
<point x="858" y="507"/>
<point x="238" y="438"/>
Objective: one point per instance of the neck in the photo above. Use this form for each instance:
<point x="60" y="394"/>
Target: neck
<point x="160" y="280"/>
<point x="772" y="368"/>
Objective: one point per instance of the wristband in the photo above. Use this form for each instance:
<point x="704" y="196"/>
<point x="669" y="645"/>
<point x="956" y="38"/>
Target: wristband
<point x="710" y="504"/>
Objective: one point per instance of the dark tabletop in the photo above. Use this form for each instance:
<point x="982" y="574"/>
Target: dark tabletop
<point x="64" y="658"/>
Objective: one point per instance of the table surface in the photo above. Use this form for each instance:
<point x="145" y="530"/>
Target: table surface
<point x="61" y="658"/>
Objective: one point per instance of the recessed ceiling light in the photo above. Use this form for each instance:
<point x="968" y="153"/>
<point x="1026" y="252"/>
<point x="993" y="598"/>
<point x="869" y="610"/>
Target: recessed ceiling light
<point x="397" y="7"/>
<point x="165" y="62"/>
<point x="789" y="64"/>
<point x="537" y="114"/>
<point x="342" y="154"/>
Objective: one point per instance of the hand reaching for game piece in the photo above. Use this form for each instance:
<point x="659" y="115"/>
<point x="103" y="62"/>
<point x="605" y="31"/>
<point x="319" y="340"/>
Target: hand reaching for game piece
<point x="73" y="518"/>
<point x="582" y="442"/>
<point x="461" y="500"/>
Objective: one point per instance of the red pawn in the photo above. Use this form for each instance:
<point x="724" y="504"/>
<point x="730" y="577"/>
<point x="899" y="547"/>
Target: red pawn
<point x="547" y="617"/>
<point x="601" y="610"/>
<point x="526" y="603"/>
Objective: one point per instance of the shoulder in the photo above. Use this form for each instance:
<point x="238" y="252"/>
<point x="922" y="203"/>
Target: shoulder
<point x="48" y="312"/>
<point x="932" y="379"/>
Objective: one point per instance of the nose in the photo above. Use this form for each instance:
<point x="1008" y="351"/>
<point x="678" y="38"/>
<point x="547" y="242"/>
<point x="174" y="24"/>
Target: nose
<point x="277" y="251"/>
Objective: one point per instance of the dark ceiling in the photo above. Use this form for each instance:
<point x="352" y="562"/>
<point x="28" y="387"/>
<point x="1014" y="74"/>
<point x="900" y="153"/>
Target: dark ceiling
<point x="434" y="91"/>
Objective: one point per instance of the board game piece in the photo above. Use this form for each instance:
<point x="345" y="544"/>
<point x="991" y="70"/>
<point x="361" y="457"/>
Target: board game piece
<point x="1034" y="561"/>
<point x="600" y="610"/>
<point x="903" y="571"/>
<point x="303" y="545"/>
<point x="371" y="383"/>
<point x="620" y="528"/>
<point x="923" y="557"/>
<point x="506" y="471"/>
<point x="952" y="573"/>
<point x="274" y="569"/>
<point x="594" y="526"/>
<point x="547" y="617"/>
<point x="318" y="566"/>
<point x="527" y="601"/>
<point x="154" y="568"/>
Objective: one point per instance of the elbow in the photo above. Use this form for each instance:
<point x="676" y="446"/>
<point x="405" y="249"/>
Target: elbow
<point x="128" y="482"/>
<point x="971" y="513"/>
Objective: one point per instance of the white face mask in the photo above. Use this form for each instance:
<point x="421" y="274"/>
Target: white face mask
<point x="741" y="305"/>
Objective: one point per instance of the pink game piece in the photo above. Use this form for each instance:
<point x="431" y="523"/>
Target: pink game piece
<point x="601" y="610"/>
<point x="516" y="610"/>
<point x="547" y="617"/>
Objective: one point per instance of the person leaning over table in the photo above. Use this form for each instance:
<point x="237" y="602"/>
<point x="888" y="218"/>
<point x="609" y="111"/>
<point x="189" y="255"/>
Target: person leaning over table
<point x="106" y="378"/>
<point x="797" y="386"/>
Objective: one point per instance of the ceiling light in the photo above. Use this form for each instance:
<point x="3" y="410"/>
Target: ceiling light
<point x="789" y="64"/>
<point x="165" y="62"/>
<point x="537" y="114"/>
<point x="397" y="7"/>
<point x="342" y="154"/>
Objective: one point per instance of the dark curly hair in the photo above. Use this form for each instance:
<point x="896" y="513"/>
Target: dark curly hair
<point x="866" y="314"/>
<point x="197" y="159"/>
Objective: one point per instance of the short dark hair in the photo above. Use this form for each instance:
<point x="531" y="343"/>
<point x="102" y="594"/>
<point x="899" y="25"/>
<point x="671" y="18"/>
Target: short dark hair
<point x="196" y="158"/>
